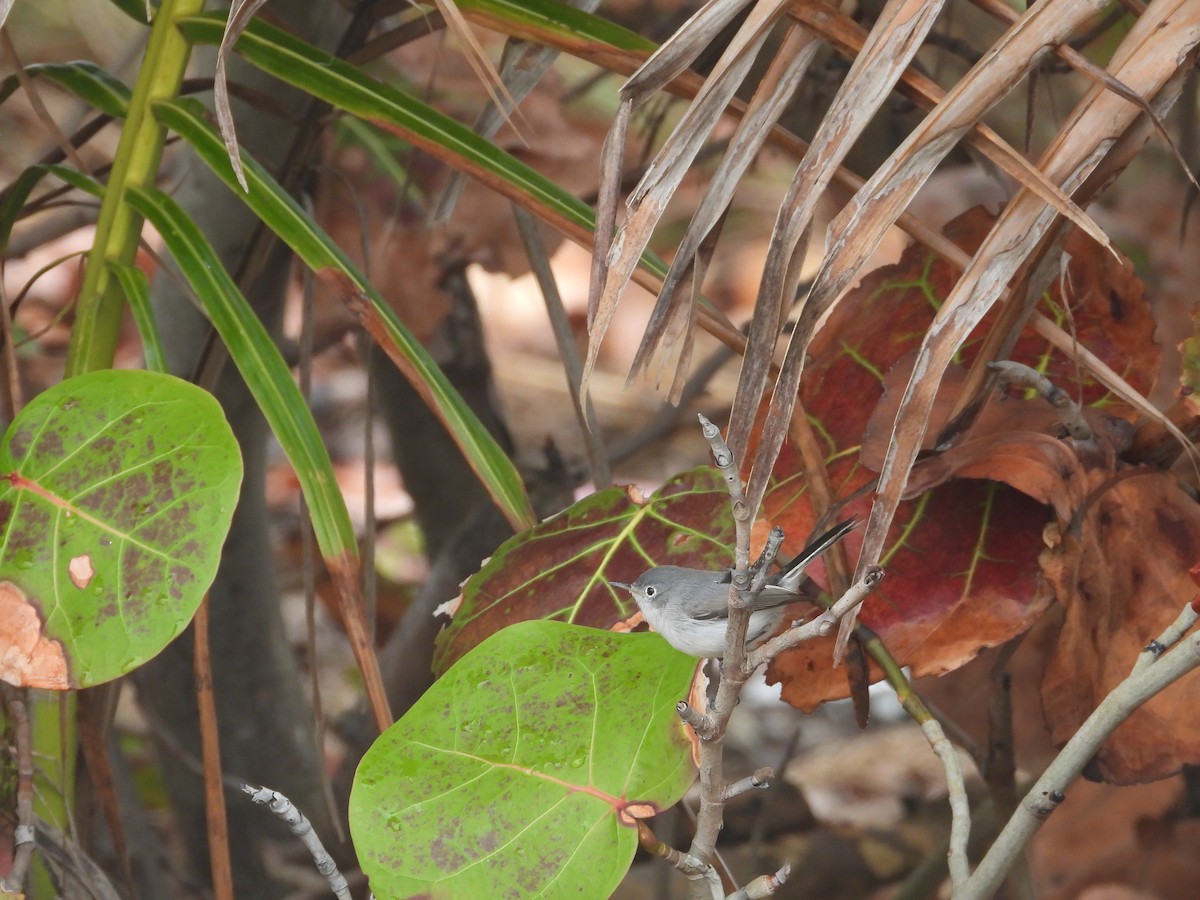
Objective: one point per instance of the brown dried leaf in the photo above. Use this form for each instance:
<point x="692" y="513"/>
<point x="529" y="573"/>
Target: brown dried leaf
<point x="1121" y="573"/>
<point x="895" y="38"/>
<point x="649" y="199"/>
<point x="769" y="101"/>
<point x="29" y="658"/>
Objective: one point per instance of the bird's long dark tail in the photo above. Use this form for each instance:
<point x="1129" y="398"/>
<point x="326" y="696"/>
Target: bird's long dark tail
<point x="793" y="572"/>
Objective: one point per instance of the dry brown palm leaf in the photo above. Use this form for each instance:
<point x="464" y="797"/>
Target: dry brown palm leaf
<point x="241" y="12"/>
<point x="681" y="49"/>
<point x="522" y="65"/>
<point x="849" y="39"/>
<point x="857" y="230"/>
<point x="1103" y="373"/>
<point x="1086" y="67"/>
<point x="891" y="45"/>
<point x="649" y="199"/>
<point x="769" y="100"/>
<point x="476" y="57"/>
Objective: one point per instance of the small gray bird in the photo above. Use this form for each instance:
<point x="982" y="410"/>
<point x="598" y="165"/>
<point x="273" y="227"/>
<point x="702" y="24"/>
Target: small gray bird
<point x="690" y="607"/>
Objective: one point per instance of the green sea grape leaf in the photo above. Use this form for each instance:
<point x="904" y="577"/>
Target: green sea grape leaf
<point x="116" y="493"/>
<point x="523" y="770"/>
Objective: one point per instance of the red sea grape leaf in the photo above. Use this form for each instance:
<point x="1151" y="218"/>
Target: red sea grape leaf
<point x="560" y="569"/>
<point x="962" y="568"/>
<point x="950" y="591"/>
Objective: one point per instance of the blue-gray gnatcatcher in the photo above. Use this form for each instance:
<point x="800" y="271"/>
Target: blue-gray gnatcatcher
<point x="690" y="607"/>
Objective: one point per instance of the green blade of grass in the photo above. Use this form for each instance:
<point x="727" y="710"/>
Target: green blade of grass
<point x="261" y="364"/>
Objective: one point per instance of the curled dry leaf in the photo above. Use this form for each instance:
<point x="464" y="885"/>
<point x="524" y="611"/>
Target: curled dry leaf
<point x="963" y="560"/>
<point x="1121" y="574"/>
<point x="29" y="658"/>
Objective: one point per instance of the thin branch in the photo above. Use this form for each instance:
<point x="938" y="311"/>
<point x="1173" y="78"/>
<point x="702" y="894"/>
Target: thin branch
<point x="960" y="811"/>
<point x="823" y="624"/>
<point x="299" y="825"/>
<point x="689" y="865"/>
<point x="23" y="835"/>
<point x="1072" y="415"/>
<point x="1050" y="789"/>
<point x="960" y="806"/>
<point x="214" y="796"/>
<point x="763" y="886"/>
<point x="535" y="250"/>
<point x="760" y="780"/>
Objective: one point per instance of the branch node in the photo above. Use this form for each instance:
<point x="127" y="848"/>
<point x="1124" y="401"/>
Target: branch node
<point x="763" y="885"/>
<point x="1047" y="803"/>
<point x="760" y="780"/>
<point x="700" y="723"/>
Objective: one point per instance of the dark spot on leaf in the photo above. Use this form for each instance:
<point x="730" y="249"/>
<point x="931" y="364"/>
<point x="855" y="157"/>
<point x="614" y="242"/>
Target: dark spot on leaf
<point x="19" y="445"/>
<point x="160" y="473"/>
<point x="1115" y="309"/>
<point x="1177" y="534"/>
<point x="445" y="858"/>
<point x="34" y="522"/>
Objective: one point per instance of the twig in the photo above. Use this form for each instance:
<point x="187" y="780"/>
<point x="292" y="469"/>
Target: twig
<point x="88" y="879"/>
<point x="1072" y="415"/>
<point x="1049" y="791"/>
<point x="960" y="810"/>
<point x="960" y="806"/>
<point x="214" y="796"/>
<point x="823" y="624"/>
<point x="23" y="837"/>
<point x="299" y="825"/>
<point x="737" y="666"/>
<point x="733" y="670"/>
<point x="535" y="250"/>
<point x="688" y="865"/>
<point x="760" y="780"/>
<point x="700" y="723"/>
<point x="1173" y="634"/>
<point x="763" y="886"/>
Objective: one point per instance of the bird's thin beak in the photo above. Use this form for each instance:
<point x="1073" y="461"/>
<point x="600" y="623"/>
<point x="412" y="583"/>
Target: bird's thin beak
<point x="621" y="584"/>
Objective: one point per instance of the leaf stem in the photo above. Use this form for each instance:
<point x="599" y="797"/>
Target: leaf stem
<point x="101" y="301"/>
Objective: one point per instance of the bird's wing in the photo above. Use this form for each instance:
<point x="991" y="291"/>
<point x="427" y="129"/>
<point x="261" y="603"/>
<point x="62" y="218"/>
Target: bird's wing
<point x="711" y="604"/>
<point x="770" y="597"/>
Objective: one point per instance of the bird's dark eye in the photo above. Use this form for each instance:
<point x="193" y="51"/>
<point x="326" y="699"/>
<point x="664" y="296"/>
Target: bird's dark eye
<point x="651" y="590"/>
